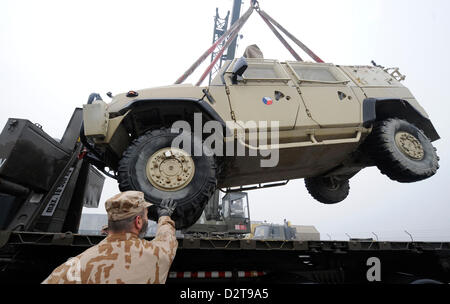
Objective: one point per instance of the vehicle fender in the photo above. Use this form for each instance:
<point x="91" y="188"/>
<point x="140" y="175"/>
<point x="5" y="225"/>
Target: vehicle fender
<point x="377" y="109"/>
<point x="199" y="103"/>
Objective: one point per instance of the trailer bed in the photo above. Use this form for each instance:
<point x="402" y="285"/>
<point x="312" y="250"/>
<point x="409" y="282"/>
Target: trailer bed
<point x="31" y="256"/>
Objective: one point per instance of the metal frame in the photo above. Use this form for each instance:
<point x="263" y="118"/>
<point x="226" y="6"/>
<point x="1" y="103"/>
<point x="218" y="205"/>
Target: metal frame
<point x="30" y="257"/>
<point x="220" y="27"/>
<point x="260" y="186"/>
<point x="8" y="238"/>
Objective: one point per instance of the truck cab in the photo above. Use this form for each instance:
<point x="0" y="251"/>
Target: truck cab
<point x="274" y="232"/>
<point x="226" y="217"/>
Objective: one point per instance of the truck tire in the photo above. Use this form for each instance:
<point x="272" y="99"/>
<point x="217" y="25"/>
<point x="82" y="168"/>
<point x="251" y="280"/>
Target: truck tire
<point x="328" y="190"/>
<point x="402" y="151"/>
<point x="152" y="166"/>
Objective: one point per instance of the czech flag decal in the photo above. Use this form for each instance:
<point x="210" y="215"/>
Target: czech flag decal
<point x="268" y="101"/>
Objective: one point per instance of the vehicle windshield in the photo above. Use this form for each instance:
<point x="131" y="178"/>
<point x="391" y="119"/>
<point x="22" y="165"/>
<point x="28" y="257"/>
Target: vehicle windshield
<point x="237" y="208"/>
<point x="262" y="232"/>
<point x="276" y="233"/>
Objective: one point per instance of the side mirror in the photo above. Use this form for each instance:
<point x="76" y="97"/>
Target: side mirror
<point x="239" y="68"/>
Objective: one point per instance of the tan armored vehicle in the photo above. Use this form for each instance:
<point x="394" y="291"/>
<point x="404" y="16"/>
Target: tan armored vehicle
<point x="324" y="124"/>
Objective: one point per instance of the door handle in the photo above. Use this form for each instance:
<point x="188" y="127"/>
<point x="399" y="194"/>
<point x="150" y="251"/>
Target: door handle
<point x="279" y="95"/>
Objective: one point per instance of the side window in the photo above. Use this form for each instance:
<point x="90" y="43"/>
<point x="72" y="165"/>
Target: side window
<point x="264" y="71"/>
<point x="314" y="73"/>
<point x="317" y="73"/>
<point x="261" y="72"/>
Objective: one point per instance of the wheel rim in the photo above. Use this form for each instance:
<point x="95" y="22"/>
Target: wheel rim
<point x="409" y="145"/>
<point x="331" y="183"/>
<point x="170" y="169"/>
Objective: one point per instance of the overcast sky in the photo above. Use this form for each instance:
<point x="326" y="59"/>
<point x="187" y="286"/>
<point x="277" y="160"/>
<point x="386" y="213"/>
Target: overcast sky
<point x="53" y="54"/>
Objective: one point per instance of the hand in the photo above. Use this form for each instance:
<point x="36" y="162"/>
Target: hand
<point x="167" y="207"/>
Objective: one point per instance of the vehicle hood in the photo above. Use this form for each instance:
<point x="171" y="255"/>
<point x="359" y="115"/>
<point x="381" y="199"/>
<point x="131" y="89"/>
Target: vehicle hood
<point x="179" y="91"/>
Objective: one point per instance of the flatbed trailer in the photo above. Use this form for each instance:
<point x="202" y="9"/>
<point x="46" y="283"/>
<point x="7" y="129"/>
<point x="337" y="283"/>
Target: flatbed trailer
<point x="44" y="183"/>
<point x="29" y="257"/>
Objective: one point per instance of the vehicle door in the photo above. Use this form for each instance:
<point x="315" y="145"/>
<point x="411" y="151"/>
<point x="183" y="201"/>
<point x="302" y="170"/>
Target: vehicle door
<point x="265" y="92"/>
<point x="328" y="94"/>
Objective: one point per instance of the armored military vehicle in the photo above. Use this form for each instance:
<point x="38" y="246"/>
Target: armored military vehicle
<point x="331" y="122"/>
<point x="276" y="232"/>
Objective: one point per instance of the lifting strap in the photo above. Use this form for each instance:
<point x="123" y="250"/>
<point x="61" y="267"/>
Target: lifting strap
<point x="239" y="23"/>
<point x="233" y="31"/>
<point x="283" y="41"/>
<point x="220" y="53"/>
<point x="298" y="42"/>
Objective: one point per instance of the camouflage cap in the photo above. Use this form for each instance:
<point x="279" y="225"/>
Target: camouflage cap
<point x="125" y="205"/>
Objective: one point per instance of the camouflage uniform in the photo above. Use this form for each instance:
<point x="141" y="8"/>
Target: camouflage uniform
<point x="123" y="258"/>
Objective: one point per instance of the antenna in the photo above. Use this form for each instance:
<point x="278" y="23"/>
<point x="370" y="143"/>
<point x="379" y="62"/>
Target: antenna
<point x="412" y="240"/>
<point x="375" y="236"/>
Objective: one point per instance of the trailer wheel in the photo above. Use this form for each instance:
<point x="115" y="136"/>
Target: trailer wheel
<point x="328" y="190"/>
<point x="402" y="151"/>
<point x="153" y="166"/>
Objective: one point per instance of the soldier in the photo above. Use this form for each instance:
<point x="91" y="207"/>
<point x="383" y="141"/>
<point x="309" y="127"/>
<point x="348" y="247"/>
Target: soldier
<point x="124" y="256"/>
<point x="253" y="51"/>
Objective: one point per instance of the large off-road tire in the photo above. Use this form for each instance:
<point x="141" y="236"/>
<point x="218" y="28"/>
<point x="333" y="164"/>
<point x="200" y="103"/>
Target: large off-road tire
<point x="152" y="166"/>
<point x="401" y="151"/>
<point x="328" y="190"/>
